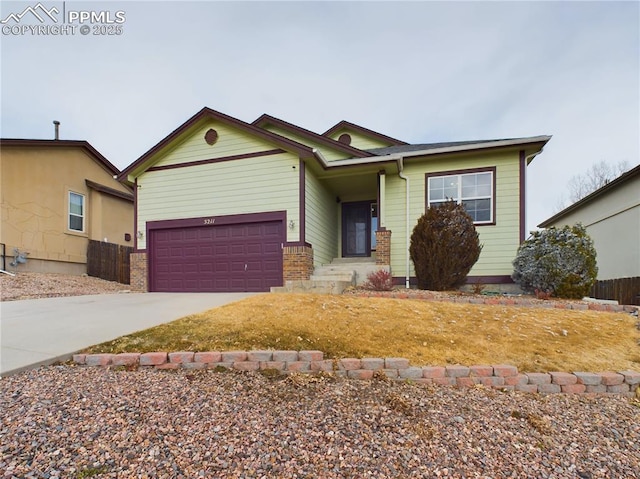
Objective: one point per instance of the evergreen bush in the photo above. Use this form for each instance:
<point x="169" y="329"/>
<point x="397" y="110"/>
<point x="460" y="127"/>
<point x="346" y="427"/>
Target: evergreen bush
<point x="444" y="247"/>
<point x="557" y="261"/>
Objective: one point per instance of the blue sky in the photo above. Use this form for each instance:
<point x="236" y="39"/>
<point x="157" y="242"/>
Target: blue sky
<point x="419" y="71"/>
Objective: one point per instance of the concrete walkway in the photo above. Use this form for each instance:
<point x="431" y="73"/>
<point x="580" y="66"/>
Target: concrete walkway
<point x="34" y="332"/>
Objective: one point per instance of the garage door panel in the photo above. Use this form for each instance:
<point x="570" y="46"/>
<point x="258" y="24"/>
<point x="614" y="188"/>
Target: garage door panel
<point x="254" y="248"/>
<point x="271" y="248"/>
<point x="237" y="267"/>
<point x="222" y="269"/>
<point x="206" y="268"/>
<point x="191" y="268"/>
<point x="213" y="258"/>
<point x="271" y="266"/>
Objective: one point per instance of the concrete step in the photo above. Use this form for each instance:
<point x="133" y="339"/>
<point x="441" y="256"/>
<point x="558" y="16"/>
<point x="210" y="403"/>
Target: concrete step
<point x="313" y="287"/>
<point x="364" y="259"/>
<point x="359" y="270"/>
<point x="347" y="276"/>
<point x="339" y="268"/>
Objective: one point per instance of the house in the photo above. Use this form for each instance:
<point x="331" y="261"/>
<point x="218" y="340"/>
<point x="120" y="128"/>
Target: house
<point x="225" y="205"/>
<point x="56" y="196"/>
<point x="611" y="216"/>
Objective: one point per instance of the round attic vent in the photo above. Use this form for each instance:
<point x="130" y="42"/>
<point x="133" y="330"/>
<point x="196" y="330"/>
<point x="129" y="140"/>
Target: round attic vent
<point x="211" y="136"/>
<point x="345" y="138"/>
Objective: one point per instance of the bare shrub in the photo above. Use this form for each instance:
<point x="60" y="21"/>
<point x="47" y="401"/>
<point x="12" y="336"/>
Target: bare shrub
<point x="380" y="280"/>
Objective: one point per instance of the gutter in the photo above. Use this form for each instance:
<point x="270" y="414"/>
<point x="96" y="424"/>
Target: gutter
<point x="437" y="151"/>
<point x="401" y="174"/>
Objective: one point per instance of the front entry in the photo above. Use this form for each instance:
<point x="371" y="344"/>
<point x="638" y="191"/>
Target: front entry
<point x="356" y="229"/>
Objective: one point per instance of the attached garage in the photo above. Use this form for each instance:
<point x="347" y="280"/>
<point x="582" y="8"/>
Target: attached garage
<point x="219" y="254"/>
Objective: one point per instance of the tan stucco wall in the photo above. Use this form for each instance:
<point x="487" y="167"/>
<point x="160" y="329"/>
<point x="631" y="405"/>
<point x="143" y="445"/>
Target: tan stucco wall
<point x="35" y="183"/>
<point x="613" y="222"/>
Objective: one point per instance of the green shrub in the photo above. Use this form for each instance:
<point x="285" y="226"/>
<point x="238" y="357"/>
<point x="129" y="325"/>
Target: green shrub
<point x="557" y="261"/>
<point x="444" y="247"/>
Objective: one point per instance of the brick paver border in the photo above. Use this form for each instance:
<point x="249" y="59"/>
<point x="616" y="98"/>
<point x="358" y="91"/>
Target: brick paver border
<point x="499" y="376"/>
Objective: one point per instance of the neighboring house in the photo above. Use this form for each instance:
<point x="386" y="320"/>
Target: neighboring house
<point x="611" y="216"/>
<point x="224" y="205"/>
<point x="56" y="196"/>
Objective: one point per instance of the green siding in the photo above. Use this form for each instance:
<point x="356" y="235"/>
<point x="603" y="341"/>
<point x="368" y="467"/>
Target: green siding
<point x="321" y="226"/>
<point x="230" y="142"/>
<point x="359" y="140"/>
<point x="250" y="185"/>
<point x="500" y="241"/>
<point x="329" y="153"/>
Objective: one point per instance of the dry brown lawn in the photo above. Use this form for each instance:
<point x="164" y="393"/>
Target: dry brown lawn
<point x="425" y="332"/>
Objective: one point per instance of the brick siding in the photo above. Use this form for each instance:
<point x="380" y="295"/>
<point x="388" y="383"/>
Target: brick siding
<point x="297" y="263"/>
<point x="383" y="247"/>
<point x="139" y="272"/>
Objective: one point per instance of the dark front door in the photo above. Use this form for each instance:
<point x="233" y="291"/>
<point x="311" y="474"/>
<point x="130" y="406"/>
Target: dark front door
<point x="356" y="229"/>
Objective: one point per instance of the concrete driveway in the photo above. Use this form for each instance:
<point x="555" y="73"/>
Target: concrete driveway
<point x="34" y="332"/>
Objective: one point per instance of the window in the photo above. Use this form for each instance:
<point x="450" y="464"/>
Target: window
<point x="374" y="225"/>
<point x="76" y="212"/>
<point x="474" y="190"/>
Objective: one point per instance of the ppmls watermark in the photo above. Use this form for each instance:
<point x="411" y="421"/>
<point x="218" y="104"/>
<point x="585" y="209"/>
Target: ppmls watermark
<point x="41" y="20"/>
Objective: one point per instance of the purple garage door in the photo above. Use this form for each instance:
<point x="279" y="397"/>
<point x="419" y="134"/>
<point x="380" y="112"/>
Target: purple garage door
<point x="224" y="258"/>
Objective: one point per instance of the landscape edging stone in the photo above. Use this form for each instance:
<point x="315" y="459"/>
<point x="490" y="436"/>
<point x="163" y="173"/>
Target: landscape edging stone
<point x="502" y="377"/>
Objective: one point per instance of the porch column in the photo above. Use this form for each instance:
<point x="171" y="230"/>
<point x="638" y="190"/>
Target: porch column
<point x="382" y="199"/>
<point x="138" y="272"/>
<point x="297" y="263"/>
<point x="383" y="247"/>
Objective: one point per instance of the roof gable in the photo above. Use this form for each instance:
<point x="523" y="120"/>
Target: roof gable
<point x="613" y="184"/>
<point x="84" y="145"/>
<point x="265" y="120"/>
<point x="360" y="130"/>
<point x="196" y="121"/>
<point x="198" y="145"/>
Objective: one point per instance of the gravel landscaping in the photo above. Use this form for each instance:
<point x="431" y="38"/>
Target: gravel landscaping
<point x="74" y="422"/>
<point x="51" y="285"/>
<point x="67" y="421"/>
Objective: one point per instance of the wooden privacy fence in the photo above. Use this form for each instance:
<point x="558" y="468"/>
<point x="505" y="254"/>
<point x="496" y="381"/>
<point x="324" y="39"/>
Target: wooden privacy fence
<point x="624" y="290"/>
<point x="108" y="261"/>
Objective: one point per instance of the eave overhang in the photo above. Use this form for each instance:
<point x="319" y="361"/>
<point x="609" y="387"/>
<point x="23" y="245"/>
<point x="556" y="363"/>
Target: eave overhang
<point x="532" y="146"/>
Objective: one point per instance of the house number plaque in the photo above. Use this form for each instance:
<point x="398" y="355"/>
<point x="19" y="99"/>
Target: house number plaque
<point x="209" y="221"/>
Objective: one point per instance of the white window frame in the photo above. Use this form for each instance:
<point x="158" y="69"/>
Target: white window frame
<point x="75" y="215"/>
<point x="458" y="196"/>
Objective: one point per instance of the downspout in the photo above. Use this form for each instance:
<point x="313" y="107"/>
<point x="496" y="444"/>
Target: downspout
<point x="524" y="162"/>
<point x="406" y="208"/>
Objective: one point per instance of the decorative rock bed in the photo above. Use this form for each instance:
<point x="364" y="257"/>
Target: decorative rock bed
<point x="503" y="377"/>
